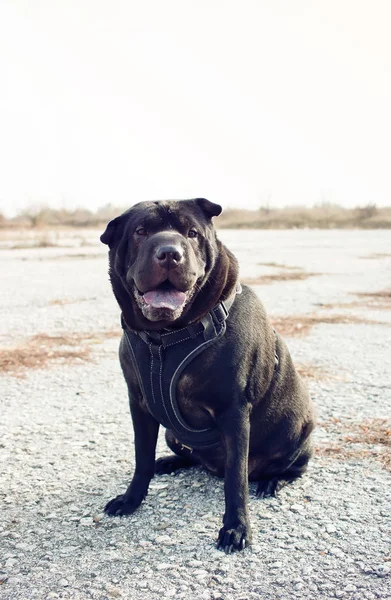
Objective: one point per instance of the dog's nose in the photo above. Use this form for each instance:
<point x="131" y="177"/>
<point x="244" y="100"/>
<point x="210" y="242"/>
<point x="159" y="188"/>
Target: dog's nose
<point x="169" y="255"/>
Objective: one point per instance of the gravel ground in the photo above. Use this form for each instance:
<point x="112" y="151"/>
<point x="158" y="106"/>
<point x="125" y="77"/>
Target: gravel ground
<point x="66" y="442"/>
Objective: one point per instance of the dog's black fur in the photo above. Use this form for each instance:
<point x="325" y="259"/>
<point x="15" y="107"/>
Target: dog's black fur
<point x="264" y="416"/>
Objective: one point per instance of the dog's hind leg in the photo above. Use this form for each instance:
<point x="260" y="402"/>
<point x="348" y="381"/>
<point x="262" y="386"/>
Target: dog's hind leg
<point x="276" y="477"/>
<point x="182" y="459"/>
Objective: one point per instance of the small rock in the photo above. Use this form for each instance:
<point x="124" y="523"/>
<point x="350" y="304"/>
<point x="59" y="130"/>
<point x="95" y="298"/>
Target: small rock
<point x="296" y="508"/>
<point x="383" y="570"/>
<point x="200" y="573"/>
<point x="165" y="566"/>
<point x="142" y="584"/>
<point x="163" y="539"/>
<point x="63" y="582"/>
<point x="97" y="518"/>
<point x="10" y="562"/>
<point x="3" y="577"/>
<point x="113" y="591"/>
<point x="194" y="563"/>
<point x="23" y="546"/>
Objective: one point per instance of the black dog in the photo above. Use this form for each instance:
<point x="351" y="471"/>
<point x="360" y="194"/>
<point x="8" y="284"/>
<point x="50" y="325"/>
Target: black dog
<point x="223" y="385"/>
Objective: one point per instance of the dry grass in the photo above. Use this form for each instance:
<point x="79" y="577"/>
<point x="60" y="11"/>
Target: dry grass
<point x="380" y="300"/>
<point x="376" y="255"/>
<point x="314" y="372"/>
<point x="42" y="349"/>
<point x="373" y="437"/>
<point x="300" y="325"/>
<point x="277" y="265"/>
<point x="64" y="301"/>
<point x="85" y="256"/>
<point x="281" y="276"/>
<point x="324" y="216"/>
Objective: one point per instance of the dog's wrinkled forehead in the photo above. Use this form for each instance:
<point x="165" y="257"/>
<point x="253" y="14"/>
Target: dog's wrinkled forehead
<point x="178" y="215"/>
<point x="161" y="215"/>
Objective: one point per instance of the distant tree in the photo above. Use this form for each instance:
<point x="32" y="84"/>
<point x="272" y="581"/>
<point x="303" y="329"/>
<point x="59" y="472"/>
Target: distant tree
<point x="368" y="211"/>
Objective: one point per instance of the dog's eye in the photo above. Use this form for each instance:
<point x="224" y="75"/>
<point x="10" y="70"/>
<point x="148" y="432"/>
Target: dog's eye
<point x="192" y="233"/>
<point x="141" y="231"/>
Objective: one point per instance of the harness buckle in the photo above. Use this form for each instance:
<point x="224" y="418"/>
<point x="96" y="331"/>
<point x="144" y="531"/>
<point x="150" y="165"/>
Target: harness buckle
<point x="183" y="446"/>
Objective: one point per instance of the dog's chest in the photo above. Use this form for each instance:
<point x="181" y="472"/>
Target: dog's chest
<point x="194" y="402"/>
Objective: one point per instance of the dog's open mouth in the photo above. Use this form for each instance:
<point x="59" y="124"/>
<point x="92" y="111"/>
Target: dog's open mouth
<point x="165" y="296"/>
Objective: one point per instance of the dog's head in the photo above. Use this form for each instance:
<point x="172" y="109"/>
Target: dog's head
<point x="166" y="265"/>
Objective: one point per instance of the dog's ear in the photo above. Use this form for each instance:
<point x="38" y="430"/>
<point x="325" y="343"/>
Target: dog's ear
<point x="210" y="208"/>
<point x="112" y="231"/>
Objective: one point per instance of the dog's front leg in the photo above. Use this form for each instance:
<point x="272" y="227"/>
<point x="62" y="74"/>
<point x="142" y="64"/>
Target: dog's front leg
<point x="234" y="425"/>
<point x="146" y="430"/>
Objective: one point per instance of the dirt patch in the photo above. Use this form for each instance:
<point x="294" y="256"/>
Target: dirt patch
<point x="41" y="350"/>
<point x="300" y="325"/>
<point x="281" y="276"/>
<point x="366" y="440"/>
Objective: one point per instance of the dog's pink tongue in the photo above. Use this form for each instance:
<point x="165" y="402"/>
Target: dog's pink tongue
<point x="172" y="299"/>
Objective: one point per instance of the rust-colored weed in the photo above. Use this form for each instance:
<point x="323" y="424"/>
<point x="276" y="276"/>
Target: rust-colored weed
<point x="373" y="436"/>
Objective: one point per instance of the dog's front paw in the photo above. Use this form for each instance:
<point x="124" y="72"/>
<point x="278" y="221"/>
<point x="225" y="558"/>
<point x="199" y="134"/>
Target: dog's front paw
<point x="234" y="538"/>
<point x="121" y="506"/>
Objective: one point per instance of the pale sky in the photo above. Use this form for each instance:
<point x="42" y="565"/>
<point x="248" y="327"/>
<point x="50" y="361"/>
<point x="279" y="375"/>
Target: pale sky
<point x="243" y="102"/>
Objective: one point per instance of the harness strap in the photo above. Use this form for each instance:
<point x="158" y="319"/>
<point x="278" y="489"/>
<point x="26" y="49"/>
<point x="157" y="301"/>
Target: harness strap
<point x="159" y="358"/>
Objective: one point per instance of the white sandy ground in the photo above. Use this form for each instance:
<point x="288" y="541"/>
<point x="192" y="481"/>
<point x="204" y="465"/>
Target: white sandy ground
<point x="66" y="443"/>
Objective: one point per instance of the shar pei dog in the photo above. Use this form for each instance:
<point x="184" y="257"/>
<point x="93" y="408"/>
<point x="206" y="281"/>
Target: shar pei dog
<point x="201" y="358"/>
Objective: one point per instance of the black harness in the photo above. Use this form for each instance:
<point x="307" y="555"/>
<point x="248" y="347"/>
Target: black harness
<point x="159" y="359"/>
